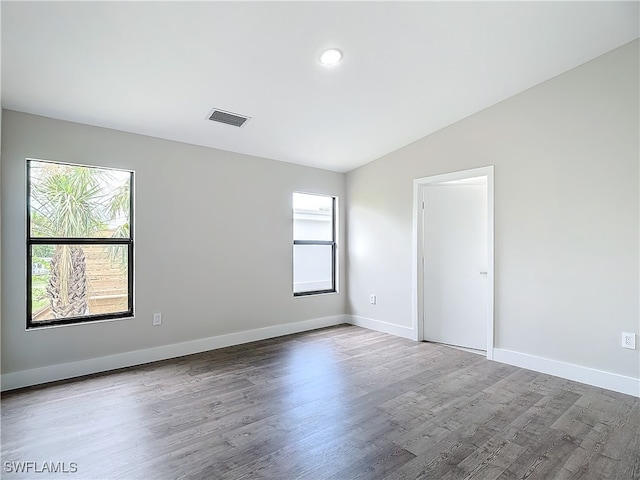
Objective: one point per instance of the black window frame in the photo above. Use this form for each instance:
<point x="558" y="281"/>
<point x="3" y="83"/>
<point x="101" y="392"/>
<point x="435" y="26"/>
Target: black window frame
<point x="331" y="242"/>
<point x="31" y="241"/>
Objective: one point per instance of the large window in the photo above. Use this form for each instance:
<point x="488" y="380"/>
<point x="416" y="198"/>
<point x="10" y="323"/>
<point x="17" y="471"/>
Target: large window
<point x="314" y="244"/>
<point x="79" y="243"/>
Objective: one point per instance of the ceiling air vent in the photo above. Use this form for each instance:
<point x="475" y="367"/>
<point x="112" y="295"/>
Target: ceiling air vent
<point x="229" y="118"/>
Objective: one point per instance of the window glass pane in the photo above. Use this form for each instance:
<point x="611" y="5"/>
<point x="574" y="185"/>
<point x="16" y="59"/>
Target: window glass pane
<point x="312" y="217"/>
<point x="78" y="280"/>
<point x="312" y="268"/>
<point x="74" y="201"/>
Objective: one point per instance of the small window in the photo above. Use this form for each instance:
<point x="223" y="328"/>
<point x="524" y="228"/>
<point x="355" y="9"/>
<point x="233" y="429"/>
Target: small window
<point x="79" y="243"/>
<point x="314" y="244"/>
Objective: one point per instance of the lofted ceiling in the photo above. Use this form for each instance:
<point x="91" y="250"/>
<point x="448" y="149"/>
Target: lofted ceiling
<point x="409" y="69"/>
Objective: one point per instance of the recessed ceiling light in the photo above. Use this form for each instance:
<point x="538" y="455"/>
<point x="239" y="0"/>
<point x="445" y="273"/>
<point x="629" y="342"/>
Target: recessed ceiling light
<point x="330" y="57"/>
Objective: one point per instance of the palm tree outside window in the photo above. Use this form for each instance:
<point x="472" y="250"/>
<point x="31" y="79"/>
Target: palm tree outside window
<point x="79" y="243"/>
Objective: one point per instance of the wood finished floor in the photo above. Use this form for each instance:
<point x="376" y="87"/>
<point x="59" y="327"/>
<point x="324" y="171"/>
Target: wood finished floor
<point x="339" y="403"/>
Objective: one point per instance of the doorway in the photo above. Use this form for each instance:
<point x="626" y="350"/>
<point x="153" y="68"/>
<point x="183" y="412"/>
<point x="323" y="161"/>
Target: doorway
<point x="453" y="248"/>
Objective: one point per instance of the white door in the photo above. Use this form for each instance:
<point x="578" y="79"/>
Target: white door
<point x="455" y="263"/>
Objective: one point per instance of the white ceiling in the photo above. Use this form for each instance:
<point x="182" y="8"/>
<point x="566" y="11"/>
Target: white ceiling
<point x="409" y="69"/>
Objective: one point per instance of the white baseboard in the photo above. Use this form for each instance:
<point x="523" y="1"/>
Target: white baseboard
<point x="25" y="378"/>
<point x="380" y="326"/>
<point x="590" y="376"/>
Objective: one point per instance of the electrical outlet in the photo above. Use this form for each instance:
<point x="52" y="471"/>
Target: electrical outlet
<point x="157" y="319"/>
<point x="372" y="299"/>
<point x="629" y="340"/>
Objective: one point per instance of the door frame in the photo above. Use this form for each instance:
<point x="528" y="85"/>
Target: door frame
<point x="419" y="185"/>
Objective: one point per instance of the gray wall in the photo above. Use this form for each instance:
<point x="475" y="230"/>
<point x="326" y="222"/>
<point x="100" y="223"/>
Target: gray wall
<point x="213" y="228"/>
<point x="566" y="160"/>
<point x="213" y="234"/>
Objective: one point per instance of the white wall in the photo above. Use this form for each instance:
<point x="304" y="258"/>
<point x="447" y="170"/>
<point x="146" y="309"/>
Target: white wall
<point x="566" y="156"/>
<point x="213" y="233"/>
